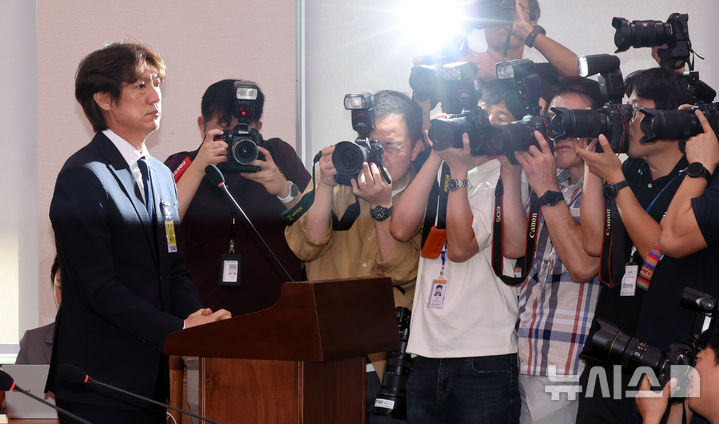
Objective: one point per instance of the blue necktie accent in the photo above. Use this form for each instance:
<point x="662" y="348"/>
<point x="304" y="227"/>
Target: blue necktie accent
<point x="146" y="182"/>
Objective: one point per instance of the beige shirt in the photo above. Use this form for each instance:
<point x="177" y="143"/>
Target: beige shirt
<point x="354" y="252"/>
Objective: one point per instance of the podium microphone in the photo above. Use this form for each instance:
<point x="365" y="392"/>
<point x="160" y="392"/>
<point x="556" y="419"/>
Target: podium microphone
<point x="75" y="375"/>
<point x="215" y="176"/>
<point x="7" y="384"/>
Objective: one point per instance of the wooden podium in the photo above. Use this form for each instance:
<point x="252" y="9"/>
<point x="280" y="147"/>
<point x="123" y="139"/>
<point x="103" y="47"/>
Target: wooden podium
<point x="299" y="361"/>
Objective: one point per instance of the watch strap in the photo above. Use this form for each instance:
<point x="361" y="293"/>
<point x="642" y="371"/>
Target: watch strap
<point x="611" y="190"/>
<point x="291" y="193"/>
<point x="533" y="35"/>
<point x="550" y="198"/>
<point x="380" y="213"/>
<point x="696" y="170"/>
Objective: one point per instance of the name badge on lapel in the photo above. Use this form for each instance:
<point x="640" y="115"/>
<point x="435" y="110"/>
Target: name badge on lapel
<point x="169" y="227"/>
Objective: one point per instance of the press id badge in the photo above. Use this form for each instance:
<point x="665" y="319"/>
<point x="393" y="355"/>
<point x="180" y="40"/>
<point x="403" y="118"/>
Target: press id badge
<point x="439" y="288"/>
<point x="169" y="228"/>
<point x="230" y="270"/>
<point x="629" y="281"/>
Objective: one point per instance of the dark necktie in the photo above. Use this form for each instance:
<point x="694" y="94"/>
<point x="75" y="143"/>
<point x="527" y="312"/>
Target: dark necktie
<point x="146" y="182"/>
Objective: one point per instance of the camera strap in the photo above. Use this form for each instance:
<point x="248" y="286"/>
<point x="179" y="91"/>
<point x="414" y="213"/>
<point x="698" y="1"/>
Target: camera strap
<point x="611" y="259"/>
<point x="290" y="216"/>
<point x="525" y="263"/>
<point x="436" y="210"/>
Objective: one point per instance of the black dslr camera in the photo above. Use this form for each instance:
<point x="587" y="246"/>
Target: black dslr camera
<point x="674" y="33"/>
<point x="681" y="124"/>
<point x="349" y="156"/>
<point x="392" y="396"/>
<point x="610" y="345"/>
<point x="454" y="85"/>
<point x="492" y="140"/>
<point x="242" y="141"/>
<point x="612" y="119"/>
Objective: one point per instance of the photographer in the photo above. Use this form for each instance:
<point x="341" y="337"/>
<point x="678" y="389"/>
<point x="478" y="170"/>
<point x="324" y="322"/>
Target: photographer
<point x="507" y="41"/>
<point x="703" y="391"/>
<point x="215" y="237"/>
<point x="690" y="224"/>
<point x="557" y="300"/>
<point x="364" y="247"/>
<point x="653" y="173"/>
<point x="466" y="368"/>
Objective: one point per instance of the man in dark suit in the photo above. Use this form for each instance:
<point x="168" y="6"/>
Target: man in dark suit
<point x="114" y="212"/>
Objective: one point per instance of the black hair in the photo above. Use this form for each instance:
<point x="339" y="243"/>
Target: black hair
<point x="498" y="91"/>
<point x="666" y="88"/>
<point x="219" y="101"/>
<point x="54" y="268"/>
<point x="534" y="11"/>
<point x="583" y="87"/>
<point x="387" y="102"/>
<point x="710" y="339"/>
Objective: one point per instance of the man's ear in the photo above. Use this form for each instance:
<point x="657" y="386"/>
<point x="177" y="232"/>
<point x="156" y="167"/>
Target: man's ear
<point x="418" y="145"/>
<point x="259" y="125"/>
<point x="201" y="125"/>
<point x="103" y="99"/>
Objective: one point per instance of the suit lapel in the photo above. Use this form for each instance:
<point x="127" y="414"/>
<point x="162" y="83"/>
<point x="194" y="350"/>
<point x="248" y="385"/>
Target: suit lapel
<point x="117" y="165"/>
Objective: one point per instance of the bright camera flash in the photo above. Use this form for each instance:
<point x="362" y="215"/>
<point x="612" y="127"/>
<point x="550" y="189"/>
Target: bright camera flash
<point x="246" y="93"/>
<point x="505" y="71"/>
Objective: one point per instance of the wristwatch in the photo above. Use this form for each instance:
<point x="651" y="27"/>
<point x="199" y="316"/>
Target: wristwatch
<point x="533" y="35"/>
<point x="454" y="184"/>
<point x="611" y="190"/>
<point x="380" y="213"/>
<point x="293" y="192"/>
<point x="550" y="198"/>
<point x="696" y="170"/>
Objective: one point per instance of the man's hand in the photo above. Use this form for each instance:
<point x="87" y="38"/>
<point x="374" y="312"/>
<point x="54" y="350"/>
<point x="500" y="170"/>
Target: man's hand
<point x="212" y="151"/>
<point x="370" y="186"/>
<point x="486" y="64"/>
<point x="605" y="165"/>
<point x="703" y="147"/>
<point x="521" y="27"/>
<point x="652" y="405"/>
<point x="460" y="161"/>
<point x="327" y="168"/>
<point x="205" y="316"/>
<point x="539" y="166"/>
<point x="269" y="175"/>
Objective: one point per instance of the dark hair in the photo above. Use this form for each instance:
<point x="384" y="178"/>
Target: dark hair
<point x="106" y="69"/>
<point x="54" y="268"/>
<point x="498" y="91"/>
<point x="387" y="102"/>
<point x="219" y="101"/>
<point x="584" y="87"/>
<point x="661" y="85"/>
<point x="710" y="339"/>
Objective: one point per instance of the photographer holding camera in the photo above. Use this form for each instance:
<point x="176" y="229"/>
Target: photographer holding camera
<point x="557" y="300"/>
<point x="507" y="36"/>
<point x="703" y="391"/>
<point x="345" y="232"/>
<point x="216" y="240"/>
<point x="653" y="173"/>
<point x="466" y="364"/>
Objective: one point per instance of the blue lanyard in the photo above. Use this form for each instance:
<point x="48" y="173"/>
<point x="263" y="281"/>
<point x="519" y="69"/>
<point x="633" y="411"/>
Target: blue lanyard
<point x="660" y="193"/>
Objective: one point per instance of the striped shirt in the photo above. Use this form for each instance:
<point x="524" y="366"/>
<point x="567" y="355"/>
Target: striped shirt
<point x="555" y="313"/>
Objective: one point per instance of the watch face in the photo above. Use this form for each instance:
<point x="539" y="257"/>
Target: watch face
<point x="551" y="198"/>
<point x="294" y="191"/>
<point x="609" y="191"/>
<point x="695" y="169"/>
<point x="452" y="184"/>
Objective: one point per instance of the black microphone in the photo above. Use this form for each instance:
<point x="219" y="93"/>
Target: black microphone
<point x="76" y="375"/>
<point x="215" y="176"/>
<point x="7" y="384"/>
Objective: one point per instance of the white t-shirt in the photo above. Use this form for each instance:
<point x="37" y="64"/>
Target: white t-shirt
<point x="479" y="312"/>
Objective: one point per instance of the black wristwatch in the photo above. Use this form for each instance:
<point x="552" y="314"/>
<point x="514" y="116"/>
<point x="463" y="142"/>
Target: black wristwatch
<point x="696" y="170"/>
<point x="454" y="184"/>
<point x="611" y="190"/>
<point x="550" y="198"/>
<point x="533" y="35"/>
<point x="380" y="213"/>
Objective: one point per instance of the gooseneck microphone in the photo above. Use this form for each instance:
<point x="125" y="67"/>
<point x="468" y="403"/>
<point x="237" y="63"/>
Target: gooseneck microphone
<point x="215" y="176"/>
<point x="75" y="375"/>
<point x="7" y="384"/>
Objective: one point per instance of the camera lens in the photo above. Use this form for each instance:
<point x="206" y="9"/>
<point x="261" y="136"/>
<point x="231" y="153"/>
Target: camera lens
<point x="348" y="158"/>
<point x="244" y="151"/>
<point x="669" y="125"/>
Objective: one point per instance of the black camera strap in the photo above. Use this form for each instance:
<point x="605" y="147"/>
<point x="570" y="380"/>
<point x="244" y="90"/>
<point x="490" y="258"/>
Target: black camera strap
<point x="437" y="204"/>
<point x="290" y="216"/>
<point x="525" y="263"/>
<point x="612" y="260"/>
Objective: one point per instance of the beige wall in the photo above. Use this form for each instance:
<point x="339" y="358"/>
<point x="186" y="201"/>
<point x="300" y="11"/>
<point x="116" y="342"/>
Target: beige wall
<point x="201" y="42"/>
